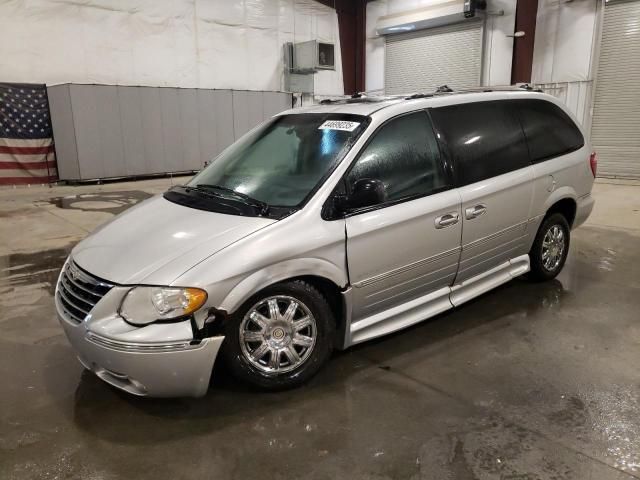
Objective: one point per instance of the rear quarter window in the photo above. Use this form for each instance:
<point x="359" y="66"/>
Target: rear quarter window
<point x="484" y="139"/>
<point x="550" y="132"/>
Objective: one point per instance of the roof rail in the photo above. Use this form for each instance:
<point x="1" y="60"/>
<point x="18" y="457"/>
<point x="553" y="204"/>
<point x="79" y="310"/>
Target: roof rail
<point x="499" y="88"/>
<point x="361" y="97"/>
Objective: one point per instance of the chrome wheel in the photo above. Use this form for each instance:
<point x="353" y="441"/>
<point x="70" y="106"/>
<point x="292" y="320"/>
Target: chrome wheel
<point x="553" y="246"/>
<point x="278" y="334"/>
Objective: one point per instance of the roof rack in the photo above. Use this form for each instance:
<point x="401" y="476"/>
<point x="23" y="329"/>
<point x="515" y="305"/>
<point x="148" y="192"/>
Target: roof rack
<point x="361" y="97"/>
<point x="499" y="88"/>
<point x="341" y="101"/>
<point x="445" y="89"/>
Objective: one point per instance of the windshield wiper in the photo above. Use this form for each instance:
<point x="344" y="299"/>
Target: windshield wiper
<point x="262" y="207"/>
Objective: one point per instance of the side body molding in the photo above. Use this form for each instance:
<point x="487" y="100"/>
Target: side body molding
<point x="425" y="307"/>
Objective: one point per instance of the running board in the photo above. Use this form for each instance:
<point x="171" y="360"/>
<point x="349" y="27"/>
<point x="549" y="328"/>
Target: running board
<point x="428" y="306"/>
<point x="489" y="280"/>
<point x="400" y="316"/>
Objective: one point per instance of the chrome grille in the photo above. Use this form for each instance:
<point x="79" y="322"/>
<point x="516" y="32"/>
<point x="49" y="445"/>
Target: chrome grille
<point x="79" y="291"/>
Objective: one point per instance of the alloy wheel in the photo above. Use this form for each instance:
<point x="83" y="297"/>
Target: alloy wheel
<point x="553" y="246"/>
<point x="278" y="334"/>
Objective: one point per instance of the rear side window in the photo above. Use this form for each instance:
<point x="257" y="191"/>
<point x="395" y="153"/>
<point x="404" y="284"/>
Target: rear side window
<point x="484" y="138"/>
<point x="404" y="155"/>
<point x="549" y="131"/>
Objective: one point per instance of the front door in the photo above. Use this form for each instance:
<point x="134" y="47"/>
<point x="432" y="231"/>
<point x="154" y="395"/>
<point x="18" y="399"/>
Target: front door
<point x="409" y="245"/>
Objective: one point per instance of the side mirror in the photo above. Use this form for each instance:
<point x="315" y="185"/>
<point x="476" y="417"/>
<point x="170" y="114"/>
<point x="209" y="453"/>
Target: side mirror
<point x="367" y="192"/>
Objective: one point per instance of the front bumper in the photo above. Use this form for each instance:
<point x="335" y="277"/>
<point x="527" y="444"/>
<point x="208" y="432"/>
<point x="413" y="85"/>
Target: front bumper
<point x="159" y="369"/>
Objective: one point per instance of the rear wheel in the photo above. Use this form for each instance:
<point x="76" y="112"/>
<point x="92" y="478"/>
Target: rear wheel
<point x="550" y="248"/>
<point x="280" y="337"/>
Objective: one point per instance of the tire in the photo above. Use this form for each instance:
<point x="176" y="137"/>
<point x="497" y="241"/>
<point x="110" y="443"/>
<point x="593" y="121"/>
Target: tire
<point x="546" y="260"/>
<point x="253" y="336"/>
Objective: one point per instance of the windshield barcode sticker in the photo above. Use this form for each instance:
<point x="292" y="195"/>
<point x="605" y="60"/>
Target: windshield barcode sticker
<point x="339" y="125"/>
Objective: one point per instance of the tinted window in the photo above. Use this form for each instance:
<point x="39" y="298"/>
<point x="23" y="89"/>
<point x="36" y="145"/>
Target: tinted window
<point x="404" y="155"/>
<point x="549" y="131"/>
<point x="485" y="139"/>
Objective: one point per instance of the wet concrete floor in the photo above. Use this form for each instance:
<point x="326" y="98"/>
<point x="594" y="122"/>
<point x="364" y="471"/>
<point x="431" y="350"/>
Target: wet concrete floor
<point x="531" y="381"/>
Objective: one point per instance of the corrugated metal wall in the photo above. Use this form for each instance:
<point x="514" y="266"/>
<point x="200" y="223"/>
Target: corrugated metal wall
<point x="105" y="131"/>
<point x="423" y="60"/>
<point x="615" y="132"/>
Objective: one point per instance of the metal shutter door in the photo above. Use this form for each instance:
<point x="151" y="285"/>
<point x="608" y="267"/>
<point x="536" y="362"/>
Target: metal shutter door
<point x="423" y="60"/>
<point x="615" y="131"/>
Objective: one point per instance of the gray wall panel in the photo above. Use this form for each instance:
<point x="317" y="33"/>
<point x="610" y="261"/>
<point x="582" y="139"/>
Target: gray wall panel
<point x="207" y="119"/>
<point x="152" y="130"/>
<point x="255" y="108"/>
<point x="274" y="103"/>
<point x="87" y="122"/>
<point x="107" y="131"/>
<point x="189" y="131"/>
<point x="171" y="138"/>
<point x="64" y="133"/>
<point x="285" y="101"/>
<point x="241" y="124"/>
<point x="110" y="131"/>
<point x="224" y="119"/>
<point x="136" y="162"/>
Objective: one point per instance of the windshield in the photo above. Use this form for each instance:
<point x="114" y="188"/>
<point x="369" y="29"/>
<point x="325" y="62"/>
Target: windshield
<point x="281" y="162"/>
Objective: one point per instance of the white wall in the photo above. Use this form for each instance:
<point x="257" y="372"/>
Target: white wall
<point x="498" y="48"/>
<point x="179" y="43"/>
<point x="564" y="53"/>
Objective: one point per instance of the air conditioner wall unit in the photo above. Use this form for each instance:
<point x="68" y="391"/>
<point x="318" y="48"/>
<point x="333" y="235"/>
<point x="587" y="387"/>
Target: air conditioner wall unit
<point x="311" y="56"/>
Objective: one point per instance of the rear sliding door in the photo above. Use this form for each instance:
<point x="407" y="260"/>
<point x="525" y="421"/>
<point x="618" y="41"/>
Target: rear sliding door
<point x="495" y="180"/>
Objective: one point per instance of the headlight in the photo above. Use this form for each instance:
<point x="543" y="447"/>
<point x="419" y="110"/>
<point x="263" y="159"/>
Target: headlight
<point x="143" y="305"/>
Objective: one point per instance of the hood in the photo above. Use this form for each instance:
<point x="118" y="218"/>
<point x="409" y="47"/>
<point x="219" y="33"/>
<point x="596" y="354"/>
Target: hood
<point x="157" y="241"/>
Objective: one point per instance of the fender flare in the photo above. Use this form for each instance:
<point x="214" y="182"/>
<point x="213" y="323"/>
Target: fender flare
<point x="554" y="197"/>
<point x="279" y="272"/>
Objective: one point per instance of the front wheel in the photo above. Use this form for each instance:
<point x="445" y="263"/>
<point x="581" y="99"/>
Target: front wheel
<point x="280" y="337"/>
<point x="550" y="248"/>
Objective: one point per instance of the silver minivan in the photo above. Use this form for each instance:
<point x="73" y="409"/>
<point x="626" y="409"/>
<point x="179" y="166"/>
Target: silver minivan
<point x="322" y="228"/>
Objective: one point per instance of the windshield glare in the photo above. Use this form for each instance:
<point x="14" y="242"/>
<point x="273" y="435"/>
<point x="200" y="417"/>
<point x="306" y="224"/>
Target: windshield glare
<point x="282" y="161"/>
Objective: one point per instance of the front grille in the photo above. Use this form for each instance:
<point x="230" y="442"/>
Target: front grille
<point x="79" y="291"/>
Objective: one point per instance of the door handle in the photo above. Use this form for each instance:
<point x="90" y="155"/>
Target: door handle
<point x="447" y="219"/>
<point x="475" y="211"/>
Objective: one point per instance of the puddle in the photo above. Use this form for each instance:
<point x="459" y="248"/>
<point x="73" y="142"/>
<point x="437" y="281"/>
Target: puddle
<point x="37" y="270"/>
<point x="109" y="202"/>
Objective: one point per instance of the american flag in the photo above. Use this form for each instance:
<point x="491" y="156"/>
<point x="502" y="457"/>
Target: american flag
<point x="26" y="143"/>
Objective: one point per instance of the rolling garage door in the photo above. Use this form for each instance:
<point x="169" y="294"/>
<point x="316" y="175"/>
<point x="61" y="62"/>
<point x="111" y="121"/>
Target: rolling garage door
<point x="423" y="60"/>
<point x="615" y="131"/>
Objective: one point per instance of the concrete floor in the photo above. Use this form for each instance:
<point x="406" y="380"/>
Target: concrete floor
<point x="531" y="381"/>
